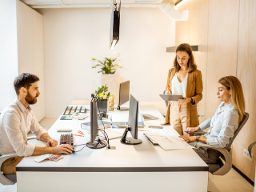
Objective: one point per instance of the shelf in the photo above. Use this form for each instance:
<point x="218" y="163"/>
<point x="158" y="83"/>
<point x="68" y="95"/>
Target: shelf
<point x="173" y="49"/>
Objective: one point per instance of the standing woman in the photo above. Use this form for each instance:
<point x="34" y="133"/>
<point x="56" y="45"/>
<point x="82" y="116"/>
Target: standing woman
<point x="186" y="80"/>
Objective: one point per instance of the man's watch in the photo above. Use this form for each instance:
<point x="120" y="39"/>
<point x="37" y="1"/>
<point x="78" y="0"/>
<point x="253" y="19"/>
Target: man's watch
<point x="197" y="138"/>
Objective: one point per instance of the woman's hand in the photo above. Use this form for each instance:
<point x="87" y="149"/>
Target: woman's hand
<point x="185" y="100"/>
<point x="168" y="91"/>
<point x="188" y="139"/>
<point x="192" y="129"/>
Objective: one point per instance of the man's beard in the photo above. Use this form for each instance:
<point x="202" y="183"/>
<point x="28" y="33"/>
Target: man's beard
<point x="31" y="100"/>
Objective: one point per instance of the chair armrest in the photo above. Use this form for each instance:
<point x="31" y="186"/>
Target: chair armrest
<point x="31" y="137"/>
<point x="227" y="155"/>
<point x="3" y="179"/>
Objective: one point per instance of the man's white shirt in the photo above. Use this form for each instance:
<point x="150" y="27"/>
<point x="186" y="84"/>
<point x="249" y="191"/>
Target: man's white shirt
<point x="15" y="122"/>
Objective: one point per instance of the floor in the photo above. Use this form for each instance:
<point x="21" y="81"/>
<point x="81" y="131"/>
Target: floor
<point x="231" y="182"/>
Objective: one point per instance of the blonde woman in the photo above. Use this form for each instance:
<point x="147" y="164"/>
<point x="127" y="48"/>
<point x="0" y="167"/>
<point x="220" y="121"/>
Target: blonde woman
<point x="186" y="80"/>
<point x="223" y="123"/>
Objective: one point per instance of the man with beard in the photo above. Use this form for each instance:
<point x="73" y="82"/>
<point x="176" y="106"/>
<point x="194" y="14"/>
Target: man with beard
<point x="17" y="120"/>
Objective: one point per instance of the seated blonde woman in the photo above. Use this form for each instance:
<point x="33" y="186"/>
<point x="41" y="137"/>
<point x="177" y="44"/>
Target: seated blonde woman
<point x="223" y="123"/>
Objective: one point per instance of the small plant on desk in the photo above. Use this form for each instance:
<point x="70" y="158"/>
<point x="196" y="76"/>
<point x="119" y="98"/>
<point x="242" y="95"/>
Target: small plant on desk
<point x="103" y="98"/>
<point x="102" y="93"/>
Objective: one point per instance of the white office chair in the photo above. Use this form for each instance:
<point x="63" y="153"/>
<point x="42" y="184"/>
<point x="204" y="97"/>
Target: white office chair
<point x="226" y="153"/>
<point x="11" y="178"/>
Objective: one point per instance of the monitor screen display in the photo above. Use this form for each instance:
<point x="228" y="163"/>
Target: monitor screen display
<point x="124" y="92"/>
<point x="133" y="117"/>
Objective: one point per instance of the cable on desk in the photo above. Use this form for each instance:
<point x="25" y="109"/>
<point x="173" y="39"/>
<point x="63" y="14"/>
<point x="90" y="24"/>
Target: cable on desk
<point x="104" y="131"/>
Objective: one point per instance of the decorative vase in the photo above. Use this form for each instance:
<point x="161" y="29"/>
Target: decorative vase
<point x="102" y="106"/>
<point x="111" y="81"/>
<point x="111" y="102"/>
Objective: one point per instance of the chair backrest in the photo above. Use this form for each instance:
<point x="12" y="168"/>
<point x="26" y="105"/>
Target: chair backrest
<point x="245" y="118"/>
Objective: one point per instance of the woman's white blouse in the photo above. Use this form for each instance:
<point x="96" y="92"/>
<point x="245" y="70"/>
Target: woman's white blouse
<point x="222" y="125"/>
<point x="179" y="88"/>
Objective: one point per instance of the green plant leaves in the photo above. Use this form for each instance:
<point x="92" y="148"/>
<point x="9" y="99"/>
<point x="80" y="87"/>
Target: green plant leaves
<point x="101" y="92"/>
<point x="107" y="66"/>
<point x="250" y="148"/>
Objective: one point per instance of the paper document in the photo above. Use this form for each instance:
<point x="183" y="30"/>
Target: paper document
<point x="111" y="134"/>
<point x="171" y="143"/>
<point x="119" y="118"/>
<point x="123" y="118"/>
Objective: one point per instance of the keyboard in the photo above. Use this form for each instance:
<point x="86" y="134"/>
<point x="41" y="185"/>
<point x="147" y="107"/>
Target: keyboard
<point x="67" y="139"/>
<point x="167" y="143"/>
<point x="152" y="137"/>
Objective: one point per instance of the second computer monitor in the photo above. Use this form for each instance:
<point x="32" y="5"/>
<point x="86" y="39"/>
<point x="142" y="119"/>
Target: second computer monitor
<point x="124" y="93"/>
<point x="133" y="117"/>
<point x="132" y="124"/>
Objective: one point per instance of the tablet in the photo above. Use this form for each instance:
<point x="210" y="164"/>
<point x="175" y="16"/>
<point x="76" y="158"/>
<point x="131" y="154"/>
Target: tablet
<point x="169" y="97"/>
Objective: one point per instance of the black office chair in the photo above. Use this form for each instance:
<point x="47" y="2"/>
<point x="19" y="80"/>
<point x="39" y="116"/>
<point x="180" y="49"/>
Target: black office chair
<point x="226" y="153"/>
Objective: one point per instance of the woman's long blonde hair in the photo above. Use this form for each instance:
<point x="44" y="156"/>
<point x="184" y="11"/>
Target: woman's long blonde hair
<point x="237" y="97"/>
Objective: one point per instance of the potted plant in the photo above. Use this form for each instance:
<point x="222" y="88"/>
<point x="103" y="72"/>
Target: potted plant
<point x="103" y="98"/>
<point x="108" y="68"/>
<point x="107" y="65"/>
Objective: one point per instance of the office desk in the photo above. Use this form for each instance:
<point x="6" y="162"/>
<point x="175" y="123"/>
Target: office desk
<point x="142" y="167"/>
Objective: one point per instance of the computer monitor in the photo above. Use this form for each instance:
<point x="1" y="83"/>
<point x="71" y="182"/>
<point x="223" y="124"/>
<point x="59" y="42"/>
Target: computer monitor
<point x="95" y="142"/>
<point x="124" y="93"/>
<point x="132" y="124"/>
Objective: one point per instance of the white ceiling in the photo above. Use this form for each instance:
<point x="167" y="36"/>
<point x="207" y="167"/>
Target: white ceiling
<point x="167" y="6"/>
<point x="86" y="3"/>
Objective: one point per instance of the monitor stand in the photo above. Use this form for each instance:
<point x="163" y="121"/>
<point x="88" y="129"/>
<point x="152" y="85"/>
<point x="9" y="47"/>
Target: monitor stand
<point x="97" y="144"/>
<point x="122" y="109"/>
<point x="129" y="141"/>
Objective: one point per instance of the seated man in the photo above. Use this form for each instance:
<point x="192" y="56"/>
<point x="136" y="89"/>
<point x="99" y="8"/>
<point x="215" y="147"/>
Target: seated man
<point x="17" y="120"/>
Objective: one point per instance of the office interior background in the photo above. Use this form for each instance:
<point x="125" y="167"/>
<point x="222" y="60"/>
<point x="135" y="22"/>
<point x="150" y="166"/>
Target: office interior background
<point x="59" y="42"/>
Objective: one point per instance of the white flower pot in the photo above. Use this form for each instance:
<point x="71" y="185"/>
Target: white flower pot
<point x="111" y="81"/>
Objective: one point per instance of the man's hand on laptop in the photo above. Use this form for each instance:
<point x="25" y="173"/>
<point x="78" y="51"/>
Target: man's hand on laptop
<point x="64" y="148"/>
<point x="52" y="143"/>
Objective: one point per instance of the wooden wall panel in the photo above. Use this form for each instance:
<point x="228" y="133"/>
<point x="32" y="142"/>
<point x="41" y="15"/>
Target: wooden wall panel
<point x="198" y="35"/>
<point x="226" y="33"/>
<point x="195" y="32"/>
<point x="182" y="32"/>
<point x="246" y="69"/>
<point x="222" y="47"/>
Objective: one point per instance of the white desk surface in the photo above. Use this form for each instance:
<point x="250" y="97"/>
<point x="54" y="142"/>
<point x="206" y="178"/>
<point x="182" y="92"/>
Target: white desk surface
<point x="144" y="157"/>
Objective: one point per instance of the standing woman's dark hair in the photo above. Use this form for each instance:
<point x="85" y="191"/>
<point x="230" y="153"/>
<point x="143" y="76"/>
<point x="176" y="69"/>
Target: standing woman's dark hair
<point x="191" y="62"/>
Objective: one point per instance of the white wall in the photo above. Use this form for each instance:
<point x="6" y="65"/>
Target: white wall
<point x="31" y="50"/>
<point x="8" y="51"/>
<point x="21" y="50"/>
<point x="74" y="36"/>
